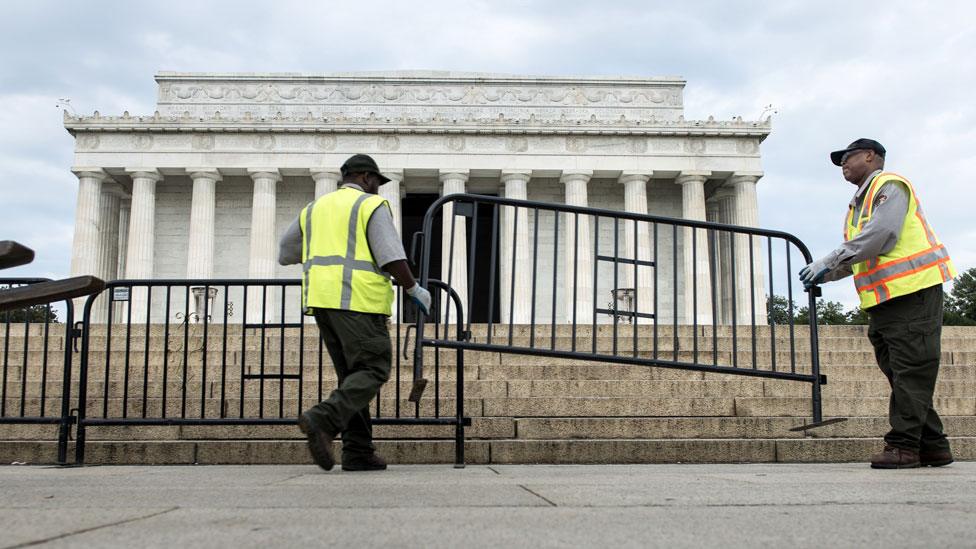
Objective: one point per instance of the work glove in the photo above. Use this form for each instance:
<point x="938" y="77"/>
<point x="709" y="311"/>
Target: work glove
<point x="813" y="274"/>
<point x="419" y="295"/>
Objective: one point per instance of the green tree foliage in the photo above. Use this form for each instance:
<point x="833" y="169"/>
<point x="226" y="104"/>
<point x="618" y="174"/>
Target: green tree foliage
<point x="960" y="304"/>
<point x="36" y="313"/>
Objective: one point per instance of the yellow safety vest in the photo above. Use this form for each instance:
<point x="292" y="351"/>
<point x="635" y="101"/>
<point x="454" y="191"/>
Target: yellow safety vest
<point x="917" y="261"/>
<point x="340" y="272"/>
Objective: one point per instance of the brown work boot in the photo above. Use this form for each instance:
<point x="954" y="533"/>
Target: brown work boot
<point x="895" y="458"/>
<point x="372" y="462"/>
<point x="319" y="443"/>
<point x="937" y="458"/>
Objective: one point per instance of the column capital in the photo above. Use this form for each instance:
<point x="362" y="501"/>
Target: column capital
<point x="333" y="175"/>
<point x="393" y="175"/>
<point x="264" y="173"/>
<point x="144" y="173"/>
<point x="745" y="177"/>
<point x="692" y="176"/>
<point x="110" y="186"/>
<point x="204" y="173"/>
<point x="722" y="192"/>
<point x="94" y="173"/>
<point x="516" y="175"/>
<point x="454" y="175"/>
<point x="570" y="176"/>
<point x="630" y="177"/>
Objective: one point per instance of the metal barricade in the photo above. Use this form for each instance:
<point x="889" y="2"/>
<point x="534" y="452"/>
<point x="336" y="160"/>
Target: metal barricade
<point x="35" y="366"/>
<point x="544" y="268"/>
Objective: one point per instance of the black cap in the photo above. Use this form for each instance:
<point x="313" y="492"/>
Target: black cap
<point x="858" y="145"/>
<point x="362" y="163"/>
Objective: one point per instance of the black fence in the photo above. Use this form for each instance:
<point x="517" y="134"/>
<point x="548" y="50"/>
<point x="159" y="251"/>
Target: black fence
<point x="36" y="378"/>
<point x="680" y="294"/>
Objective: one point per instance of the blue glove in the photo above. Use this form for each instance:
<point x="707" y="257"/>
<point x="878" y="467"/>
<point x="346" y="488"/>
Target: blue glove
<point x="813" y="274"/>
<point x="419" y="295"/>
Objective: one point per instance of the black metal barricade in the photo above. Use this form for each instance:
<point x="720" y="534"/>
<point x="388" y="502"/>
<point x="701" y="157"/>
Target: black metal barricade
<point x="534" y="270"/>
<point x="36" y="382"/>
<point x="229" y="352"/>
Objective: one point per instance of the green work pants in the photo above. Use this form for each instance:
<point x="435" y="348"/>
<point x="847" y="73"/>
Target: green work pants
<point x="359" y="345"/>
<point x="906" y="333"/>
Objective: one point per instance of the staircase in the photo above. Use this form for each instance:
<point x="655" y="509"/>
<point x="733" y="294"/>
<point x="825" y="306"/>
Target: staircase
<point x="524" y="409"/>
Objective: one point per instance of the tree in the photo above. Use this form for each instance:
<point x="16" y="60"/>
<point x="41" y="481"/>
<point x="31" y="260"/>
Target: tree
<point x="778" y="310"/>
<point x="35" y="313"/>
<point x="960" y="304"/>
<point x="857" y="316"/>
<point x="828" y="312"/>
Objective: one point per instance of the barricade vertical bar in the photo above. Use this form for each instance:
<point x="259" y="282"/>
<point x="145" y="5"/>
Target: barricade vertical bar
<point x="320" y="364"/>
<point x="733" y="292"/>
<point x="6" y="363"/>
<point x="301" y="356"/>
<point x="636" y="319"/>
<point x="471" y="262"/>
<point x="125" y="363"/>
<point x="513" y="270"/>
<point x="399" y="308"/>
<point x="450" y="265"/>
<point x="491" y="272"/>
<point x="535" y="261"/>
<point x="186" y="351"/>
<point x="656" y="316"/>
<point x="752" y="298"/>
<point x="789" y="305"/>
<point x="223" y="358"/>
<point x="769" y="303"/>
<point x="281" y="358"/>
<point x="64" y="427"/>
<point x="145" y="353"/>
<point x="596" y="263"/>
<point x="674" y="297"/>
<point x="616" y="282"/>
<point x="244" y="288"/>
<point x="165" y="344"/>
<point x="575" y="273"/>
<point x="82" y="378"/>
<point x="555" y="287"/>
<point x="23" y="368"/>
<point x="713" y="267"/>
<point x="44" y="352"/>
<point x="694" y="293"/>
<point x="205" y="351"/>
<point x="264" y="333"/>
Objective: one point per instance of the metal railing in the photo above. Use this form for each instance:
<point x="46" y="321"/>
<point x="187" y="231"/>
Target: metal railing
<point x="230" y="352"/>
<point x="702" y="295"/>
<point x="35" y="354"/>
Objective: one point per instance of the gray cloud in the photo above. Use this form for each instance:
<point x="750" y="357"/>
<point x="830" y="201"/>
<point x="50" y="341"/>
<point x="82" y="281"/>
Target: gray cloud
<point x="898" y="71"/>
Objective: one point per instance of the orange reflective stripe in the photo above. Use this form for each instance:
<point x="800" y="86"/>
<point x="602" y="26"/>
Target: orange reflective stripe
<point x="898" y="261"/>
<point x="883" y="281"/>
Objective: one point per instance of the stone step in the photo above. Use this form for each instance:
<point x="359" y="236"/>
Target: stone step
<point x="511" y="451"/>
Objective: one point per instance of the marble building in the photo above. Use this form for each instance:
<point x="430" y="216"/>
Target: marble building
<point x="204" y="186"/>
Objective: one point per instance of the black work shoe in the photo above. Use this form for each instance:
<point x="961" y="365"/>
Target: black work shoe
<point x="895" y="458"/>
<point x="372" y="462"/>
<point x="319" y="443"/>
<point x="936" y="458"/>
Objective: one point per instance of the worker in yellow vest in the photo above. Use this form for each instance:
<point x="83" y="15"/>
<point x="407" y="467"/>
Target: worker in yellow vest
<point x="899" y="266"/>
<point x="348" y="247"/>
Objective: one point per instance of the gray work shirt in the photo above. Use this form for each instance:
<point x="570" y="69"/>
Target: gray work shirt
<point x="381" y="235"/>
<point x="878" y="235"/>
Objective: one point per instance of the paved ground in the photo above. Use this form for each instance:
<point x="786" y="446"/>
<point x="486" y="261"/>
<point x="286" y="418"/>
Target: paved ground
<point x="489" y="506"/>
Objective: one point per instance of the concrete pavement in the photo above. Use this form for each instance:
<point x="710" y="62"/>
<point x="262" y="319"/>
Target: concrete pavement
<point x="766" y="505"/>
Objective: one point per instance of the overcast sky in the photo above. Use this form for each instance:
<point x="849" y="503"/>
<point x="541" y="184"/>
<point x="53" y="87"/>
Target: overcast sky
<point x="902" y="72"/>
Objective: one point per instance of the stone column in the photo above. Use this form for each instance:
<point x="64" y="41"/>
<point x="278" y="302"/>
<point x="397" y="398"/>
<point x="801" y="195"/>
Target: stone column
<point x="125" y="207"/>
<point x="695" y="250"/>
<point x="454" y="260"/>
<point x="723" y="250"/>
<point x="577" y="248"/>
<point x="746" y="213"/>
<point x="86" y="247"/>
<point x="635" y="201"/>
<point x="391" y="192"/>
<point x="326" y="181"/>
<point x="516" y="308"/>
<point x="142" y="225"/>
<point x="263" y="251"/>
<point x="713" y="215"/>
<point x="108" y="235"/>
<point x="200" y="256"/>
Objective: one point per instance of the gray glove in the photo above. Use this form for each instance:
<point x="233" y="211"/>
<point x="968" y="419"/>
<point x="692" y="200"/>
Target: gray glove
<point x="419" y="295"/>
<point x="814" y="273"/>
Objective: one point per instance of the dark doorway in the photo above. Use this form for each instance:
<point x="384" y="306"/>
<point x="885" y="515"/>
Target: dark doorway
<point x="413" y="207"/>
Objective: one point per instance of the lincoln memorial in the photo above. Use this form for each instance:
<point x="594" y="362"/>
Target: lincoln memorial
<point x="203" y="187"/>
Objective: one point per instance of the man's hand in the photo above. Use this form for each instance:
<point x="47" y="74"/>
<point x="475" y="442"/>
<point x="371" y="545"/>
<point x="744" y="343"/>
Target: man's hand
<point x="813" y="274"/>
<point x="419" y="295"/>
